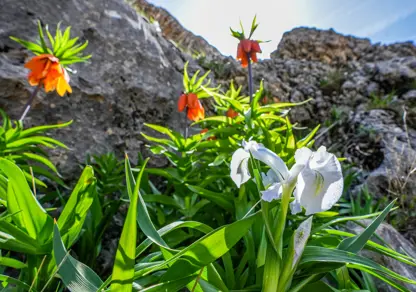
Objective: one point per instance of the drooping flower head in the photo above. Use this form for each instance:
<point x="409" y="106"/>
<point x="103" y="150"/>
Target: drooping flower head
<point x="231" y="113"/>
<point x="247" y="48"/>
<point x="190" y="102"/>
<point x="46" y="70"/>
<point x="317" y="176"/>
<point x="48" y="67"/>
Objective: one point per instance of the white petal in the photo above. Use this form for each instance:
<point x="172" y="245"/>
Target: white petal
<point x="274" y="192"/>
<point x="268" y="157"/>
<point x="303" y="155"/>
<point x="295" y="207"/>
<point x="269" y="178"/>
<point x="239" y="167"/>
<point x="320" y="183"/>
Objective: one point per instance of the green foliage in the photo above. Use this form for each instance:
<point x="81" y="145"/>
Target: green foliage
<point x="193" y="229"/>
<point x="381" y="102"/>
<point x="62" y="46"/>
<point x="195" y="84"/>
<point x="25" y="147"/>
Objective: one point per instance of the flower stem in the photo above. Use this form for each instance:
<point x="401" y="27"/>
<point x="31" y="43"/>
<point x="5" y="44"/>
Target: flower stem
<point x="28" y="104"/>
<point x="281" y="217"/>
<point x="250" y="79"/>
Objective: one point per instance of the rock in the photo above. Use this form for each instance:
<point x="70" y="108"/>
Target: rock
<point x="398" y="243"/>
<point x="333" y="48"/>
<point x="174" y="31"/>
<point x="134" y="76"/>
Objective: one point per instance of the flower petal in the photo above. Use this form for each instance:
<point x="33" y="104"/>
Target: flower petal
<point x="295" y="207"/>
<point x="182" y="102"/>
<point x="269" y="178"/>
<point x="274" y="192"/>
<point x="268" y="157"/>
<point x="320" y="183"/>
<point x="239" y="167"/>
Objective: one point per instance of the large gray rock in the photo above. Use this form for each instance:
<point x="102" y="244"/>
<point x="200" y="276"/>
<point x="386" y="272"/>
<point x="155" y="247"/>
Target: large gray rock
<point x="134" y="75"/>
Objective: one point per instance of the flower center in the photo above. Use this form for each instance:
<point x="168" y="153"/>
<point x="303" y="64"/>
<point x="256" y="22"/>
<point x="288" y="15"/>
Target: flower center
<point x="318" y="183"/>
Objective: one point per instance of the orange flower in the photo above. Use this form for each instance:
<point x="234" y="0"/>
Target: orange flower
<point x="209" y="138"/>
<point x="194" y="107"/>
<point x="45" y="69"/>
<point x="231" y="113"/>
<point x="246" y="50"/>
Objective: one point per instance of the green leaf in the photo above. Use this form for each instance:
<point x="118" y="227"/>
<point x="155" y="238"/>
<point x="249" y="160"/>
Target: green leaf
<point x="185" y="78"/>
<point x="174" y="136"/>
<point x="171" y="227"/>
<point x="35" y="48"/>
<point x="28" y="214"/>
<point x="73" y="215"/>
<point x="143" y="218"/>
<point x="170" y="286"/>
<point x="45" y="141"/>
<point x="42" y="38"/>
<point x="76" y="276"/>
<point x="123" y="269"/>
<point x="210" y="247"/>
<point x="40" y="129"/>
<point x="313" y="254"/>
<point x="356" y="243"/>
<point x="220" y="199"/>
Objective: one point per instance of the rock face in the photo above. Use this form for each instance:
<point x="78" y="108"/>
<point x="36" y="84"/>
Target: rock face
<point x="333" y="48"/>
<point x="134" y="75"/>
<point x="174" y="31"/>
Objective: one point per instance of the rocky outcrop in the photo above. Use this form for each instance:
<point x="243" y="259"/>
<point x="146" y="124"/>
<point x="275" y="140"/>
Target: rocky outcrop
<point x="174" y="31"/>
<point x="333" y="48"/>
<point x="134" y="76"/>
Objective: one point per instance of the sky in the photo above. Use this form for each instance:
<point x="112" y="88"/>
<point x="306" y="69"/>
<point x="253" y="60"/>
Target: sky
<point x="385" y="21"/>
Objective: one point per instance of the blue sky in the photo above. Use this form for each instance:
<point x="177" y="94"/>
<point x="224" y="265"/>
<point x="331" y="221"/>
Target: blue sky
<point x="383" y="21"/>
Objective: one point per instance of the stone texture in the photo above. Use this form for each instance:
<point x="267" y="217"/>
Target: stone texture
<point x="330" y="47"/>
<point x="134" y="76"/>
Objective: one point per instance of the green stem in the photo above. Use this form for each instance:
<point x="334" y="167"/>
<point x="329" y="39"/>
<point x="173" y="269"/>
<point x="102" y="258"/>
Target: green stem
<point x="281" y="218"/>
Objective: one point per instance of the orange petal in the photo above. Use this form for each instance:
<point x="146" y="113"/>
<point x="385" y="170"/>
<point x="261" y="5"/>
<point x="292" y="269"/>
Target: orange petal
<point x="231" y="113"/>
<point x="246" y="44"/>
<point x="182" y="102"/>
<point x="62" y="86"/>
<point x="253" y="57"/>
<point x="240" y="52"/>
<point x="192" y="100"/>
<point x="255" y="47"/>
<point x="244" y="60"/>
<point x="33" y="63"/>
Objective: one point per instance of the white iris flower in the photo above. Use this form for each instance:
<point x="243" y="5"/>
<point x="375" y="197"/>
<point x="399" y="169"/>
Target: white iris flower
<point x="317" y="175"/>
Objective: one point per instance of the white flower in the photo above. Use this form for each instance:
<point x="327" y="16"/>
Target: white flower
<point x="320" y="183"/>
<point x="318" y="176"/>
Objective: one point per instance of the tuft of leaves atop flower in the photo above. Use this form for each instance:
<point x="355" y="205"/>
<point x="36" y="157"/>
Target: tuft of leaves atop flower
<point x="195" y="84"/>
<point x="240" y="35"/>
<point x="68" y="50"/>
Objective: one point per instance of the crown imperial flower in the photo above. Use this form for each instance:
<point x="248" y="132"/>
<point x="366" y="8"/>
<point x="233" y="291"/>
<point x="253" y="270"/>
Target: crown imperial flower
<point x="46" y="70"/>
<point x="190" y="102"/>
